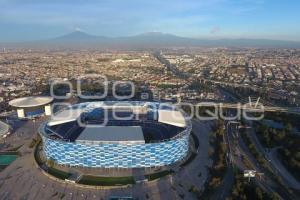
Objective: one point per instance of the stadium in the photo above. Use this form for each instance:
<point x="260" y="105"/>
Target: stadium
<point x="31" y="107"/>
<point x="116" y="135"/>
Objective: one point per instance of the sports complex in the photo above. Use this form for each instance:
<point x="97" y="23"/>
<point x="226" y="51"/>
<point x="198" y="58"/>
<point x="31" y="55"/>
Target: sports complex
<point x="32" y="106"/>
<point x="110" y="134"/>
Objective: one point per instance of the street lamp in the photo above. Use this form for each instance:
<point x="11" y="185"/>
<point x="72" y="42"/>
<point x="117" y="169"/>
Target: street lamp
<point x="33" y="120"/>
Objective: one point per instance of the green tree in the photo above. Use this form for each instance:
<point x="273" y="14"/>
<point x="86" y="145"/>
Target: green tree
<point x="50" y="162"/>
<point x="259" y="193"/>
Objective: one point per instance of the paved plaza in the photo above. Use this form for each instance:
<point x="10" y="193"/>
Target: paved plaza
<point x="23" y="180"/>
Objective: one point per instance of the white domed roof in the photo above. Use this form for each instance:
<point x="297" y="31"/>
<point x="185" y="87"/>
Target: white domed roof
<point x="26" y="102"/>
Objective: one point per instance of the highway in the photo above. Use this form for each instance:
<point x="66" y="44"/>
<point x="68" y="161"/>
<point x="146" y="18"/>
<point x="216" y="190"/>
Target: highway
<point x="291" y="110"/>
<point x="272" y="161"/>
<point x="239" y="153"/>
<point x="249" y="107"/>
<point x="223" y="83"/>
<point x="237" y="150"/>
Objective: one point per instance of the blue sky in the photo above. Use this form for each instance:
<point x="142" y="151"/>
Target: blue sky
<point x="40" y="19"/>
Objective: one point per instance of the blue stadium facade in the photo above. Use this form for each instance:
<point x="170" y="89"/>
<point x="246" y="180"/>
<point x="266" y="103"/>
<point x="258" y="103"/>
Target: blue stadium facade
<point x="116" y="155"/>
<point x="34" y="113"/>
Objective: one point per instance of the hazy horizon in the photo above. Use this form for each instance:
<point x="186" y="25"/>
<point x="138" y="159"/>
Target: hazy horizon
<point x="145" y="33"/>
<point x="216" y="19"/>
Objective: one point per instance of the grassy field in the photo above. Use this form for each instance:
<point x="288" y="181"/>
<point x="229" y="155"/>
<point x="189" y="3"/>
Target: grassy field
<point x="58" y="173"/>
<point x="54" y="172"/>
<point x="36" y="155"/>
<point x="7" y="159"/>
<point x="157" y="175"/>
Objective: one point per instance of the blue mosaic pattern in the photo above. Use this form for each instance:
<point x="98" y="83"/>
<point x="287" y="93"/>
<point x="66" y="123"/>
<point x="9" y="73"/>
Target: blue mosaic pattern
<point x="34" y="113"/>
<point x="110" y="155"/>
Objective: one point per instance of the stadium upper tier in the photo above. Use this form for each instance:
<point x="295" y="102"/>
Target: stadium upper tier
<point x="116" y="122"/>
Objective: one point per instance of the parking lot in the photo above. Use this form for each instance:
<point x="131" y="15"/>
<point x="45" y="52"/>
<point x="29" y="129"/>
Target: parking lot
<point x="24" y="180"/>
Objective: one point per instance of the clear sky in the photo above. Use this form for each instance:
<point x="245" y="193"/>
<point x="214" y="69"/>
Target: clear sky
<point x="40" y="19"/>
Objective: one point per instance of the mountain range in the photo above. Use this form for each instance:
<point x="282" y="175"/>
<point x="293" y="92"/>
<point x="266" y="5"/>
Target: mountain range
<point x="79" y="40"/>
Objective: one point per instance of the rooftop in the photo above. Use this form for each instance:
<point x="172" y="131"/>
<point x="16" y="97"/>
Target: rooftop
<point x="26" y="102"/>
<point x="103" y="121"/>
<point x="112" y="134"/>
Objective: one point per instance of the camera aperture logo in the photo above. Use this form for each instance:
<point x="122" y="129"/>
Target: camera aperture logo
<point x="84" y="114"/>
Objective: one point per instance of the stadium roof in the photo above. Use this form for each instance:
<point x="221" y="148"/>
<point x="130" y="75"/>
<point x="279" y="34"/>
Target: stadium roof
<point x="72" y="113"/>
<point x="132" y="134"/>
<point x="171" y="117"/>
<point x="26" y="102"/>
<point x="94" y="122"/>
<point x="65" y="116"/>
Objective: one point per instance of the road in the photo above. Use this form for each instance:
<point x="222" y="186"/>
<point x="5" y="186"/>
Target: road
<point x="239" y="152"/>
<point x="239" y="147"/>
<point x="273" y="157"/>
<point x="267" y="182"/>
<point x="273" y="162"/>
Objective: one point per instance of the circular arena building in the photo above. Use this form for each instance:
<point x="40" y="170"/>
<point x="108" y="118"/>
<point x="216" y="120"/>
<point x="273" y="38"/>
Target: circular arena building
<point x="116" y="135"/>
<point x="30" y="107"/>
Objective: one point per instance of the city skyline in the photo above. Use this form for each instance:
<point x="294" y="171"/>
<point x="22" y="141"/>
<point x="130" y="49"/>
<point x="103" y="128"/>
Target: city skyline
<point x="150" y="100"/>
<point x="33" y="20"/>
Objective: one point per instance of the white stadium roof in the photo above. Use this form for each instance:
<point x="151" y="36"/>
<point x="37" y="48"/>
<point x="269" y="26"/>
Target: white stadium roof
<point x="68" y="115"/>
<point x="171" y="117"/>
<point x="117" y="134"/>
<point x="27" y="102"/>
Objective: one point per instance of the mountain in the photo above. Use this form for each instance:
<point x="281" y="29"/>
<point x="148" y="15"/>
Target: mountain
<point x="152" y="40"/>
<point x="78" y="36"/>
<point x="79" y="39"/>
